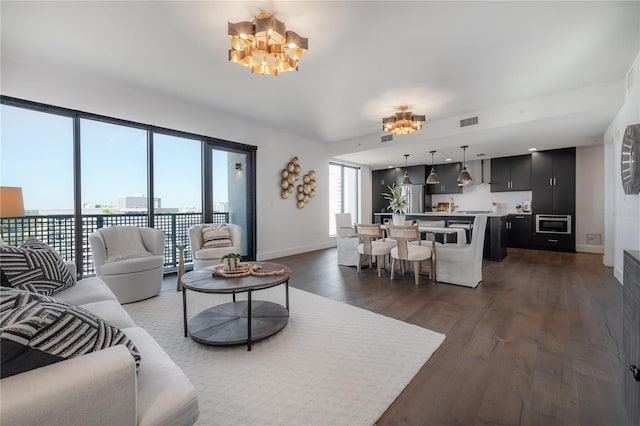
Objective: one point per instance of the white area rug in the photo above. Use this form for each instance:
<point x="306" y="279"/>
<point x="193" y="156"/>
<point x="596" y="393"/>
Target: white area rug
<point x="333" y="364"/>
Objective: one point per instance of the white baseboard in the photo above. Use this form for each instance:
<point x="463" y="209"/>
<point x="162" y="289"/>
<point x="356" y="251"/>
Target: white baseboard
<point x="295" y="250"/>
<point x="618" y="274"/>
<point x="588" y="248"/>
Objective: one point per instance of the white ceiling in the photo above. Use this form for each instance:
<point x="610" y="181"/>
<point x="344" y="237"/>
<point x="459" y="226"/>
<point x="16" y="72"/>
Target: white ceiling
<point x="552" y="62"/>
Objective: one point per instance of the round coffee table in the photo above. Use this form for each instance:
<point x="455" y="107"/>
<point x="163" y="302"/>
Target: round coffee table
<point x="232" y="323"/>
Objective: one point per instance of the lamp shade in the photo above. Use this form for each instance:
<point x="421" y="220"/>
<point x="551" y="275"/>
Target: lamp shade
<point x="406" y="180"/>
<point x="432" y="179"/>
<point x="11" y="204"/>
<point x="465" y="177"/>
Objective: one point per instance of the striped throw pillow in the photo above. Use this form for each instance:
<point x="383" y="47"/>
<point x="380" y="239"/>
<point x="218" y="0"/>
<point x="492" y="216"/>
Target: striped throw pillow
<point x="216" y="236"/>
<point x="35" y="267"/>
<point x="37" y="330"/>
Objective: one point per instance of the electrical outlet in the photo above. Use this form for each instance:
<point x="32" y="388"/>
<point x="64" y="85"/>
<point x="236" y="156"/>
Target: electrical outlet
<point x="594" y="239"/>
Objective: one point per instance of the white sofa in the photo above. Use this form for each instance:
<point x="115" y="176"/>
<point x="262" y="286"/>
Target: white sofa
<point x="102" y="388"/>
<point x="135" y="278"/>
<point x="204" y="257"/>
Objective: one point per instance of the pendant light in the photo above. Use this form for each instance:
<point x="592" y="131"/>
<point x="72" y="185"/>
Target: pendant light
<point x="432" y="179"/>
<point x="406" y="180"/>
<point x="464" y="178"/>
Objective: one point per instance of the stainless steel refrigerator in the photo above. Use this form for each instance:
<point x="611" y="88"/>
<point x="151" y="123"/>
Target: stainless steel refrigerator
<point x="416" y="198"/>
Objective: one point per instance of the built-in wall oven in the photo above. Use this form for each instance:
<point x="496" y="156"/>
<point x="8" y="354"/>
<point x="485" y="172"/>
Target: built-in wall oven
<point x="553" y="224"/>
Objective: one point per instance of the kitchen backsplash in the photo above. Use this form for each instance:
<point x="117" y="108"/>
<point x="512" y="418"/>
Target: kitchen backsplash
<point x="479" y="197"/>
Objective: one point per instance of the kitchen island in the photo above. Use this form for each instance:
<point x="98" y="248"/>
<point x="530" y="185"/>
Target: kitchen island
<point x="495" y="240"/>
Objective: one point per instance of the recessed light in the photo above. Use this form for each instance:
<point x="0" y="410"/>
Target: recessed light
<point x="532" y="149"/>
<point x="447" y="159"/>
<point x="389" y="167"/>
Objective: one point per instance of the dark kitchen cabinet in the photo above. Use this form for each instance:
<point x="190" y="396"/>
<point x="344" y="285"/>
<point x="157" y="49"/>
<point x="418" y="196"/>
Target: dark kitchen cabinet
<point x="448" y="177"/>
<point x="554" y="181"/>
<point x="495" y="240"/>
<point x="379" y="181"/>
<point x="631" y="335"/>
<point x="416" y="174"/>
<point x="555" y="242"/>
<point x="511" y="173"/>
<point x="519" y="230"/>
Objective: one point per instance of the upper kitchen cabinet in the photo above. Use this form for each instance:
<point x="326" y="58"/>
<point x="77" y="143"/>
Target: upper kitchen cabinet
<point x="416" y="174"/>
<point x="511" y="173"/>
<point x="554" y="181"/>
<point x="379" y="181"/>
<point x="448" y="177"/>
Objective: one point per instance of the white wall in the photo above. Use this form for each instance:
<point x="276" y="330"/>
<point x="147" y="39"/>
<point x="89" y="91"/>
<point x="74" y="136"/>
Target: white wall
<point x="589" y="197"/>
<point x="282" y="228"/>
<point x="366" y="189"/>
<point x="621" y="211"/>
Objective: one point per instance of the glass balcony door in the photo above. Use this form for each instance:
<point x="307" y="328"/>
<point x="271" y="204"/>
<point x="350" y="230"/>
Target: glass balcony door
<point x="230" y="190"/>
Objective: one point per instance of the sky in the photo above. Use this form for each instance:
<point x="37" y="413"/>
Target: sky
<point x="36" y="153"/>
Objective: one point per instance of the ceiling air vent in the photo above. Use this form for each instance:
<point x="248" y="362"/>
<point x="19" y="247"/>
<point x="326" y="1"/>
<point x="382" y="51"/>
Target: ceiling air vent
<point x="469" y="122"/>
<point x="386" y="138"/>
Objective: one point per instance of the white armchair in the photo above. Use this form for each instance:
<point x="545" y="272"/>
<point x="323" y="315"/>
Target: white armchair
<point x="203" y="256"/>
<point x="462" y="264"/>
<point x="346" y="240"/>
<point x="129" y="260"/>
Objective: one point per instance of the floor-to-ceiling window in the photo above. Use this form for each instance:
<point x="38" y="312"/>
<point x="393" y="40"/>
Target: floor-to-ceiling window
<point x="177" y="189"/>
<point x="344" y="194"/>
<point x="114" y="168"/>
<point x="36" y="154"/>
<point x="85" y="172"/>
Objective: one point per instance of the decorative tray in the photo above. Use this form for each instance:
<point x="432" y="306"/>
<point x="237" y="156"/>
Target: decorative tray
<point x="244" y="270"/>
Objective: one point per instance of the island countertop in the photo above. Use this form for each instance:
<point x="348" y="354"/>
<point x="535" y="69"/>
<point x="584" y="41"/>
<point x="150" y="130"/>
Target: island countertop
<point x="462" y="213"/>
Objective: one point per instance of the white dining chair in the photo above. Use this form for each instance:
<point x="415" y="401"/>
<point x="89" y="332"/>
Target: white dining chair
<point x="346" y="240"/>
<point x="462" y="264"/>
<point x="404" y="251"/>
<point x="372" y="246"/>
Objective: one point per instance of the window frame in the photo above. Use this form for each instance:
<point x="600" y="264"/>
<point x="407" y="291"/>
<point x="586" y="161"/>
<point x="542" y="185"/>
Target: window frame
<point x="208" y="143"/>
<point x="355" y="216"/>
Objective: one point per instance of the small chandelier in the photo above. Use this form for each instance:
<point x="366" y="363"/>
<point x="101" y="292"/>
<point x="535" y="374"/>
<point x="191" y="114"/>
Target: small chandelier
<point x="403" y="122"/>
<point x="265" y="46"/>
<point x="464" y="178"/>
<point x="432" y="179"/>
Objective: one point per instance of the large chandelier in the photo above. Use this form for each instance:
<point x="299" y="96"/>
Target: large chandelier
<point x="265" y="46"/>
<point x="403" y="122"/>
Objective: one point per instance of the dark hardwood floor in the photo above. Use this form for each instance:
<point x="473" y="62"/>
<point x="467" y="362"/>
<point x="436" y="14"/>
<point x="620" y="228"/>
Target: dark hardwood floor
<point x="536" y="343"/>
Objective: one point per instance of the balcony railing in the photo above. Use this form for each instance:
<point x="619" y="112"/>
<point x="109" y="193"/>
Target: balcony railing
<point x="58" y="231"/>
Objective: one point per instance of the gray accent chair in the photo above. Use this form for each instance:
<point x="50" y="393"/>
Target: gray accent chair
<point x="131" y="279"/>
<point x="204" y="257"/>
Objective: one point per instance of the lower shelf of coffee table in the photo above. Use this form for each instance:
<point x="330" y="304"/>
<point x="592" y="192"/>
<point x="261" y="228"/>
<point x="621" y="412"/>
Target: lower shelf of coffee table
<point x="227" y="324"/>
